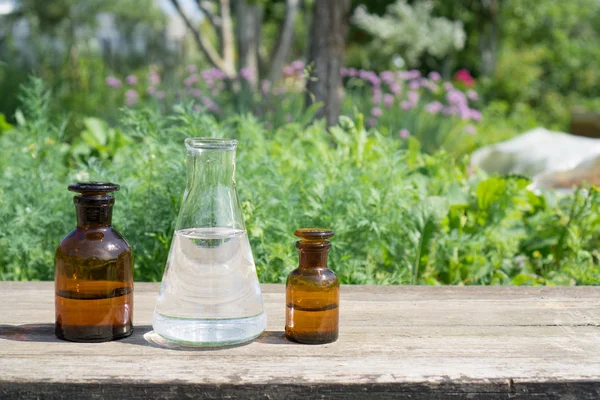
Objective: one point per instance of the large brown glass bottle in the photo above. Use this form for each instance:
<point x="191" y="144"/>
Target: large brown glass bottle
<point x="312" y="291"/>
<point x="94" y="275"/>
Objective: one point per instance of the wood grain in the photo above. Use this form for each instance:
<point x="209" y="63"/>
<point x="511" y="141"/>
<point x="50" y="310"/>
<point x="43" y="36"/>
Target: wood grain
<point x="395" y="342"/>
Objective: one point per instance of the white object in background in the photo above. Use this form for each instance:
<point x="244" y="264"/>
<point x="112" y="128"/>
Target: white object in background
<point x="586" y="171"/>
<point x="552" y="159"/>
<point x="536" y="151"/>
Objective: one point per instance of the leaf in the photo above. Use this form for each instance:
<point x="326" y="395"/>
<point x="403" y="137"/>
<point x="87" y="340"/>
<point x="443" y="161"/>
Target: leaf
<point x="97" y="131"/>
<point x="456" y="196"/>
<point x="20" y="118"/>
<point x="427" y="217"/>
<point x="4" y="126"/>
<point x="489" y="192"/>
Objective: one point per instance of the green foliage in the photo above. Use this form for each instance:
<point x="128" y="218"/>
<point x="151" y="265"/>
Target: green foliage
<point x="400" y="216"/>
<point x="4" y="126"/>
<point x="99" y="139"/>
<point x="549" y="57"/>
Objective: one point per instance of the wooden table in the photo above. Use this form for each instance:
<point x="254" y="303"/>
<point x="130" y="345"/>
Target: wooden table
<point x="395" y="342"/>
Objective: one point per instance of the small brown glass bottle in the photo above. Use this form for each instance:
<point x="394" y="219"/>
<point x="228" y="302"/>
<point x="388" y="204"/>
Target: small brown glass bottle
<point x="93" y="278"/>
<point x="312" y="291"/>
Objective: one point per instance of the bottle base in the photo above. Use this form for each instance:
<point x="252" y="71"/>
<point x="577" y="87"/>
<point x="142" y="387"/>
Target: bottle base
<point x="209" y="332"/>
<point x="312" y="338"/>
<point x="91" y="334"/>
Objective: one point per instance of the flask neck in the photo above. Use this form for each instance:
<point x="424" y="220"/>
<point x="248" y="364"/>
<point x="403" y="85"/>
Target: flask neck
<point x="313" y="255"/>
<point x="209" y="169"/>
<point x="93" y="213"/>
<point x="210" y="198"/>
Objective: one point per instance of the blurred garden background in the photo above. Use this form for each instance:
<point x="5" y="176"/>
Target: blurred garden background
<point x="359" y="116"/>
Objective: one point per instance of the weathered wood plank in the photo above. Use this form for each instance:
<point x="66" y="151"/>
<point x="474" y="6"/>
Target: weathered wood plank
<point x="395" y="342"/>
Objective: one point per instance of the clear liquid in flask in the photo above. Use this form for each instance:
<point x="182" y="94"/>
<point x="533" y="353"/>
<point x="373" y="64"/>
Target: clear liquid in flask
<point x="210" y="295"/>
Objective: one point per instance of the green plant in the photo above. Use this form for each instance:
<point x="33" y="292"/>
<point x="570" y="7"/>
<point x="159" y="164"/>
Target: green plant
<point x="400" y="215"/>
<point x="99" y="140"/>
<point x="4" y="125"/>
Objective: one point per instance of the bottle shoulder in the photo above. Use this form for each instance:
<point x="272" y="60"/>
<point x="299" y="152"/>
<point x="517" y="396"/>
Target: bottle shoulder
<point x="323" y="277"/>
<point x="104" y="243"/>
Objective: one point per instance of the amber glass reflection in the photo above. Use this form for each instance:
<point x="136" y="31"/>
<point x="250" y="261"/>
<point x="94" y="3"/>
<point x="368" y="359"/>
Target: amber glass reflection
<point x="312" y="292"/>
<point x="93" y="276"/>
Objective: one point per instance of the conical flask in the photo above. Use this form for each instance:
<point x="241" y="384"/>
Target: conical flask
<point x="209" y="295"/>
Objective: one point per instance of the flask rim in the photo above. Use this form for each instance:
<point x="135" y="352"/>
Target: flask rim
<point x="200" y="143"/>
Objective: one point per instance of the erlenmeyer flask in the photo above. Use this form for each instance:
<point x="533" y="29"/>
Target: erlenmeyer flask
<point x="210" y="294"/>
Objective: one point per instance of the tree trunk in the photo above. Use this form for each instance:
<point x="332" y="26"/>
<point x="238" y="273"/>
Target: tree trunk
<point x="248" y="25"/>
<point x="488" y="37"/>
<point x="326" y="54"/>
<point x="284" y="41"/>
<point x="227" y="42"/>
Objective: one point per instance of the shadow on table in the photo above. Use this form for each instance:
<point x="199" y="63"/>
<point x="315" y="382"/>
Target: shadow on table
<point x="142" y="335"/>
<point x="29" y="333"/>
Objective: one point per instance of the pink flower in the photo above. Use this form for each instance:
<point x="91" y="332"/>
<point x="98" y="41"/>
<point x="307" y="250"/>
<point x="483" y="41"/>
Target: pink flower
<point x="388" y="100"/>
<point x="435" y="76"/>
<point x="448" y="86"/>
<point x="387" y="76"/>
<point x="288" y="70"/>
<point x="471" y="94"/>
<point x="344" y="72"/>
<point x="191" y="80"/>
<point x="409" y="75"/>
<point x="395" y="88"/>
<point x="413" y="97"/>
<point x="464" y="76"/>
<point x="209" y="104"/>
<point x="456" y="97"/>
<point x="404" y="133"/>
<point x="151" y="90"/>
<point x="376" y="112"/>
<point x="371" y="122"/>
<point x="464" y="111"/>
<point x="131" y="79"/>
<point x="218" y="74"/>
<point x="131" y="97"/>
<point x="352" y="72"/>
<point x="475" y="115"/>
<point x="434" y="107"/>
<point x="191" y="68"/>
<point x="374" y="79"/>
<point x="247" y="74"/>
<point x="298" y="65"/>
<point x="470" y="129"/>
<point x="414" y="85"/>
<point x="154" y="78"/>
<point x="160" y="95"/>
<point x="376" y="95"/>
<point x="451" y="110"/>
<point x="406" y="105"/>
<point x="196" y="93"/>
<point x="113" y="82"/>
<point x="265" y="86"/>
<point x="431" y="85"/>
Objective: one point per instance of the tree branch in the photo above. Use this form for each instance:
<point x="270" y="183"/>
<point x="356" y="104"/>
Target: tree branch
<point x="205" y="45"/>
<point x="227" y="43"/>
<point x="214" y="20"/>
<point x="284" y="40"/>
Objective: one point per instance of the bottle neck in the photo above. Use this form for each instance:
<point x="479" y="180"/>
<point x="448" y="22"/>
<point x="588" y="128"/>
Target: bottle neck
<point x="313" y="255"/>
<point x="93" y="213"/>
<point x="210" y="198"/>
